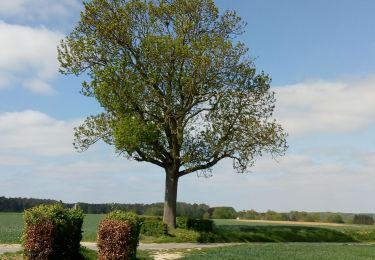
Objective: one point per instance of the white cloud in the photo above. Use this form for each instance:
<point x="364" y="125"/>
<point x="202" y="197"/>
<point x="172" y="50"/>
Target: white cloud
<point x="297" y="182"/>
<point x="38" y="86"/>
<point x="326" y="107"/>
<point x="33" y="133"/>
<point x="41" y="10"/>
<point x="29" y="57"/>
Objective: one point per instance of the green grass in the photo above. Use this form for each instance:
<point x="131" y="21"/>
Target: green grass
<point x="177" y="235"/>
<point x="287" y="251"/>
<point x="11" y="225"/>
<point x="90" y="226"/>
<point x="361" y="233"/>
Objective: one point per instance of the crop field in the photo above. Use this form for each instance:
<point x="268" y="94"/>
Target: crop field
<point x="333" y="232"/>
<point x="287" y="251"/>
<point x="11" y="225"/>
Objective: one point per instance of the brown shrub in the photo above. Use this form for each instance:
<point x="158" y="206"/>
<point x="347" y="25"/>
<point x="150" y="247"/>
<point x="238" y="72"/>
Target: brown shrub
<point x="39" y="242"/>
<point x="114" y="240"/>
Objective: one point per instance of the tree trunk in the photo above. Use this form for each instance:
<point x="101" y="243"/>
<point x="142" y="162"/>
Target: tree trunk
<point x="170" y="199"/>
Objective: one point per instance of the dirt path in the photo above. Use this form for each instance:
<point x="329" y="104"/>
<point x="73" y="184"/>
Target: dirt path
<point x="152" y="246"/>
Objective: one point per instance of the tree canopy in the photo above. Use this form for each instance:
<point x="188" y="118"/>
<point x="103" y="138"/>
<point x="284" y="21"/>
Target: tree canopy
<point x="177" y="89"/>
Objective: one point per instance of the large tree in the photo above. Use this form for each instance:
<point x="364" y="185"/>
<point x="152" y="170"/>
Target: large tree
<point x="176" y="87"/>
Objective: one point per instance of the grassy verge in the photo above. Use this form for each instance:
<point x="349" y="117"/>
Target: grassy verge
<point x="287" y="251"/>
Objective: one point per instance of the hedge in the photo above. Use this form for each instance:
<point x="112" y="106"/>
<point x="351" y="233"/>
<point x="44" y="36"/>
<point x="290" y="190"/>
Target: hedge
<point x="118" y="236"/>
<point x="201" y="225"/>
<point x="52" y="232"/>
<point x="153" y="227"/>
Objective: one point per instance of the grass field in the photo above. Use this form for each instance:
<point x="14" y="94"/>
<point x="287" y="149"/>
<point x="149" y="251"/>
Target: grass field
<point x="360" y="233"/>
<point x="11" y="225"/>
<point x="287" y="251"/>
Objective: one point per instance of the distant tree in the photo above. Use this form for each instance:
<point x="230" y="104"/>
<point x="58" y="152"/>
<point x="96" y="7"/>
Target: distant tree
<point x="224" y="213"/>
<point x="363" y="219"/>
<point x="334" y="218"/>
<point x="177" y="89"/>
<point x="248" y="214"/>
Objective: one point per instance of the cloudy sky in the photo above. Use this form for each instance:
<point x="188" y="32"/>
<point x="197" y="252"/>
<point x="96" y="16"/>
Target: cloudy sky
<point x="320" y="54"/>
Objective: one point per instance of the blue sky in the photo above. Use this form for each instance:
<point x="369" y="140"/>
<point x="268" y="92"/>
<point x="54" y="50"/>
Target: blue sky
<point x="320" y="55"/>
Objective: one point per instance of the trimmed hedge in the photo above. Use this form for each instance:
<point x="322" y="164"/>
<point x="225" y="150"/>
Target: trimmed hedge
<point x="52" y="232"/>
<point x="201" y="225"/>
<point x="118" y="236"/>
<point x="153" y="227"/>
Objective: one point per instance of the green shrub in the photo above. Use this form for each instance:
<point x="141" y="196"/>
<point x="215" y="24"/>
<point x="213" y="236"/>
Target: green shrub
<point x="118" y="235"/>
<point x="182" y="222"/>
<point x="363" y="220"/>
<point x="153" y="227"/>
<point x="52" y="232"/>
<point x="201" y="225"/>
<point x="334" y="218"/>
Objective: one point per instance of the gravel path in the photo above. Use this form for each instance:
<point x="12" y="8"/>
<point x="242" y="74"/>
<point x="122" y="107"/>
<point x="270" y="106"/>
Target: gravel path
<point x="152" y="246"/>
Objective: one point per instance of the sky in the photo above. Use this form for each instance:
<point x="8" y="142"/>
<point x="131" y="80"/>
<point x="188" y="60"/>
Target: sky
<point x="320" y="55"/>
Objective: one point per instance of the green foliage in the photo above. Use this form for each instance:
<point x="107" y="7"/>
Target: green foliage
<point x="276" y="216"/>
<point x="200" y="225"/>
<point x="363" y="219"/>
<point x="131" y="132"/>
<point x="154" y="211"/>
<point x="153" y="227"/>
<point x="118" y="235"/>
<point x="224" y="213"/>
<point x="182" y="222"/>
<point x="334" y="218"/>
<point x="52" y="231"/>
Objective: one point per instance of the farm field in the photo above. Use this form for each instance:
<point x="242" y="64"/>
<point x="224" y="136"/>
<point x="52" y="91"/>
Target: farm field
<point x="11" y="225"/>
<point x="287" y="251"/>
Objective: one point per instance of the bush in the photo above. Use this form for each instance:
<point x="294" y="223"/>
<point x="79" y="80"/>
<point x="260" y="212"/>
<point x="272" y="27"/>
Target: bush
<point x="224" y="213"/>
<point x="118" y="236"/>
<point x="182" y="222"/>
<point x="201" y="225"/>
<point x="52" y="232"/>
<point x="363" y="220"/>
<point x="334" y="218"/>
<point x="153" y="227"/>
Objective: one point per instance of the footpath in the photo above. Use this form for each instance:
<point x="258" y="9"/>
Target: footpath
<point x="4" y="248"/>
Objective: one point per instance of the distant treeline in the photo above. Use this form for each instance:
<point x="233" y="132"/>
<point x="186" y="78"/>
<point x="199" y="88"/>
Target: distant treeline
<point x="154" y="209"/>
<point x="303" y="216"/>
